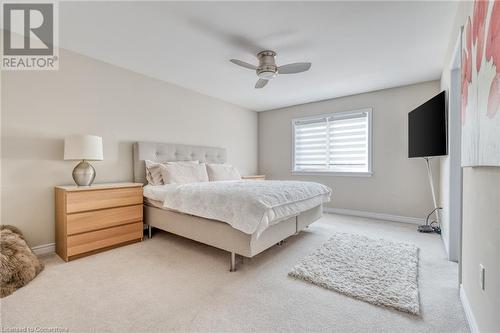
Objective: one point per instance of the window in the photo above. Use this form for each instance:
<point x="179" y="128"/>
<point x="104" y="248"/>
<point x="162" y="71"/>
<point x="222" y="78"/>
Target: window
<point x="337" y="143"/>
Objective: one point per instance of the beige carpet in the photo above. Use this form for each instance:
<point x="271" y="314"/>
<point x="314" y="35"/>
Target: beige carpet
<point x="172" y="284"/>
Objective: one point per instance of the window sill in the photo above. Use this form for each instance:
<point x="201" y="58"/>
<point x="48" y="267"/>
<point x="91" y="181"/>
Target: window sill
<point x="332" y="173"/>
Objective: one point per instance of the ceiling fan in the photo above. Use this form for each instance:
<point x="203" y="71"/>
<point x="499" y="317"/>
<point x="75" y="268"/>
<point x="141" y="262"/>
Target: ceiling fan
<point x="267" y="68"/>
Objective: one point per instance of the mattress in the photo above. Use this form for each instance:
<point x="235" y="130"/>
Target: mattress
<point x="153" y="203"/>
<point x="248" y="206"/>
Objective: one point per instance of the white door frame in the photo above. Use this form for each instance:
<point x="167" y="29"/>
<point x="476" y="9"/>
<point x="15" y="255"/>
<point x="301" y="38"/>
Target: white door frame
<point x="455" y="151"/>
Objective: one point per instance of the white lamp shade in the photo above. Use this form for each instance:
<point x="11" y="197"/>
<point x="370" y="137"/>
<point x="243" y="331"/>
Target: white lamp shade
<point x="83" y="147"/>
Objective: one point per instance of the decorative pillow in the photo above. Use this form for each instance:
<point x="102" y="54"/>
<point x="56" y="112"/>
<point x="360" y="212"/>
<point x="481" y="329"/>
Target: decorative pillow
<point x="153" y="172"/>
<point x="222" y="172"/>
<point x="183" y="173"/>
<point x="18" y="264"/>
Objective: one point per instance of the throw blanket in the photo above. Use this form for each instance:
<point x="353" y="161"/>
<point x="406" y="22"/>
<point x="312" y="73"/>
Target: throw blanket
<point x="249" y="206"/>
<point x="18" y="264"/>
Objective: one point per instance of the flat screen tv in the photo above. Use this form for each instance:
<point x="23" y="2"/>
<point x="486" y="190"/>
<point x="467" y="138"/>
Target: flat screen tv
<point x="427" y="134"/>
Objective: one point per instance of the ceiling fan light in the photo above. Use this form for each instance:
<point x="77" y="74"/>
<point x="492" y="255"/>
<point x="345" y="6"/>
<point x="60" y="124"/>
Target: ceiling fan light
<point x="266" y="75"/>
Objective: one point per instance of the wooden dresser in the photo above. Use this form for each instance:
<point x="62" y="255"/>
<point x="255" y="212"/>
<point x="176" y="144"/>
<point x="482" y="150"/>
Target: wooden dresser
<point x="96" y="218"/>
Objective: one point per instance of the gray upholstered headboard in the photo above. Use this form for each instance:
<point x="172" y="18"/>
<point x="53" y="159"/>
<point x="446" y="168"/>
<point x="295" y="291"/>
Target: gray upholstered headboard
<point x="167" y="152"/>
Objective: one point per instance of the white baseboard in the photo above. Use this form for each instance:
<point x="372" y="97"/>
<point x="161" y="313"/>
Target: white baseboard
<point x="469" y="315"/>
<point x="377" y="216"/>
<point x="44" y="249"/>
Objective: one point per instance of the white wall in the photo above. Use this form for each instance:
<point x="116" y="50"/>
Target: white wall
<point x="481" y="244"/>
<point x="91" y="97"/>
<point x="480" y="220"/>
<point x="399" y="186"/>
<point x="450" y="193"/>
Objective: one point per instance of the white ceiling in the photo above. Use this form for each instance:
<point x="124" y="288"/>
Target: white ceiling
<point x="354" y="47"/>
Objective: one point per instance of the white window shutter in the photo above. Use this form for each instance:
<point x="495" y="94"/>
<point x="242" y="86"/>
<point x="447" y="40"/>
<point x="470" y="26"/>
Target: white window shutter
<point x="338" y="142"/>
<point x="349" y="142"/>
<point x="311" y="144"/>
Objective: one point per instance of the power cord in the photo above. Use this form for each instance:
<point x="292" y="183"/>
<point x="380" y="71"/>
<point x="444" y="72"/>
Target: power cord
<point x="434" y="223"/>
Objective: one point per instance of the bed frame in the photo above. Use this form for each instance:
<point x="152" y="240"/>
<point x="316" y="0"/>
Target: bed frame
<point x="211" y="232"/>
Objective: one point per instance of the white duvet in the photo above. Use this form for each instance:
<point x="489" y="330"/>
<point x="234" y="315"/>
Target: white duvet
<point x="249" y="206"/>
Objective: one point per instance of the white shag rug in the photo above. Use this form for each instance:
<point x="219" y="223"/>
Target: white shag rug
<point x="376" y="271"/>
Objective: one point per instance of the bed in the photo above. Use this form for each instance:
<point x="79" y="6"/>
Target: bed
<point x="205" y="230"/>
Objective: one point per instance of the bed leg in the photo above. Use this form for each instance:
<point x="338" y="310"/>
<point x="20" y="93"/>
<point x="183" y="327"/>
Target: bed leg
<point x="232" y="262"/>
<point x="149" y="231"/>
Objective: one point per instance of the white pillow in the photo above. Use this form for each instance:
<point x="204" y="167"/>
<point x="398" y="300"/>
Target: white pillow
<point x="183" y="173"/>
<point x="222" y="172"/>
<point x="153" y="171"/>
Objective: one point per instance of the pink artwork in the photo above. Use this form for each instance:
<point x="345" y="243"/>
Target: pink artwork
<point x="480" y="78"/>
<point x="493" y="54"/>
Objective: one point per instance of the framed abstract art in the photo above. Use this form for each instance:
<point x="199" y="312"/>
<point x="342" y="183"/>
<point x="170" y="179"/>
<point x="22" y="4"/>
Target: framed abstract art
<point x="480" y="95"/>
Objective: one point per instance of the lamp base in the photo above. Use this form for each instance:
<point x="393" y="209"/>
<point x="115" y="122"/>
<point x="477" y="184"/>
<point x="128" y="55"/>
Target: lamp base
<point x="84" y="174"/>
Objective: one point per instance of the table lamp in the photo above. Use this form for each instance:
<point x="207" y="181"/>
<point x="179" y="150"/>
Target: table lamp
<point x="83" y="148"/>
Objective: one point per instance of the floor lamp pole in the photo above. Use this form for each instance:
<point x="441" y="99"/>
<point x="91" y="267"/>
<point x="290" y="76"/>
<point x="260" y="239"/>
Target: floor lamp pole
<point x="426" y="227"/>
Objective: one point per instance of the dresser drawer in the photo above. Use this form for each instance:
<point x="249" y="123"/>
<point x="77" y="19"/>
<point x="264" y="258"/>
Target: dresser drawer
<point x="95" y="240"/>
<point x="101" y="219"/>
<point x="98" y="199"/>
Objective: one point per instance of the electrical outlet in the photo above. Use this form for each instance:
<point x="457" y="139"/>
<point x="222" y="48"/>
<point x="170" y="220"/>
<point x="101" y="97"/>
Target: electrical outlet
<point x="482" y="273"/>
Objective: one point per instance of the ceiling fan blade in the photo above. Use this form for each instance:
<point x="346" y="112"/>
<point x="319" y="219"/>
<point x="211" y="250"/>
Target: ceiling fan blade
<point x="261" y="83"/>
<point x="297" y="67"/>
<point x="243" y="64"/>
